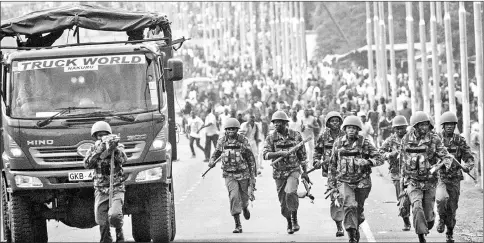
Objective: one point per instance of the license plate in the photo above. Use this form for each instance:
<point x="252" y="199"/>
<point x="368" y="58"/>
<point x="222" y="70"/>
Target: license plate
<point x="81" y="175"/>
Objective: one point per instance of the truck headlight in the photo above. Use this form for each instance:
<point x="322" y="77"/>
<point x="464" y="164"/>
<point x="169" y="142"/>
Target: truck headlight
<point x="27" y="181"/>
<point x="13" y="147"/>
<point x="150" y="174"/>
<point x="159" y="142"/>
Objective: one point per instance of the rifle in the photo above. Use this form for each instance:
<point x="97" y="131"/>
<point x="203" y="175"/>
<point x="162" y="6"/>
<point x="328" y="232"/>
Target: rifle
<point x="439" y="165"/>
<point x="292" y="150"/>
<point x="209" y="168"/>
<point x="107" y="139"/>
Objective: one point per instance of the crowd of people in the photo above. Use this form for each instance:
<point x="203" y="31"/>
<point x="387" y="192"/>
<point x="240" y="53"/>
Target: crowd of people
<point x="272" y="115"/>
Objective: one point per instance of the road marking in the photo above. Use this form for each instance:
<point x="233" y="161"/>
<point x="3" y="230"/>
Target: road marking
<point x="188" y="192"/>
<point x="366" y="229"/>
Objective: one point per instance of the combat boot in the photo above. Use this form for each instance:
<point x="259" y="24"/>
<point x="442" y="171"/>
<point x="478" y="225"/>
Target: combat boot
<point x="289" y="226"/>
<point x="449" y="236"/>
<point x="406" y="224"/>
<point x="357" y="235"/>
<point x="352" y="235"/>
<point x="119" y="235"/>
<point x="340" y="231"/>
<point x="441" y="225"/>
<point x="246" y="213"/>
<point x="421" y="238"/>
<point x="105" y="234"/>
<point x="295" y="225"/>
<point x="238" y="225"/>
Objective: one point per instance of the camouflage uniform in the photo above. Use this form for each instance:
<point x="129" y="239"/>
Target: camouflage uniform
<point x="238" y="166"/>
<point x="322" y="151"/>
<point x="418" y="155"/>
<point x="98" y="158"/>
<point x="391" y="144"/>
<point x="286" y="172"/>
<point x="352" y="180"/>
<point x="448" y="187"/>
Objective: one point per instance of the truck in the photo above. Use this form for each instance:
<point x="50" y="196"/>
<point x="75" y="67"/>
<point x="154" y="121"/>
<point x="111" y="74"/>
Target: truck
<point x="51" y="95"/>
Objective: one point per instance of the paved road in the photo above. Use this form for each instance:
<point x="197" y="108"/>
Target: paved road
<point x="202" y="211"/>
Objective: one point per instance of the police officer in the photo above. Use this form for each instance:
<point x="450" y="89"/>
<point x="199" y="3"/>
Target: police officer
<point x="287" y="171"/>
<point x="421" y="150"/>
<point x="98" y="158"/>
<point x="322" y="155"/>
<point x="390" y="150"/>
<point x="349" y="173"/>
<point x="448" y="187"/>
<point x="239" y="169"/>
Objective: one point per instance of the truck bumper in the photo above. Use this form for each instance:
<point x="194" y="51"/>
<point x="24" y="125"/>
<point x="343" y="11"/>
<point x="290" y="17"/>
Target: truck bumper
<point x="59" y="179"/>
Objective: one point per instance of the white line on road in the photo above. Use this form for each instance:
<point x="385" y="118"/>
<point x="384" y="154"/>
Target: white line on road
<point x="366" y="229"/>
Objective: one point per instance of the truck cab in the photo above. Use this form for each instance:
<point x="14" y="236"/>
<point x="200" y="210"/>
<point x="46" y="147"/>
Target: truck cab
<point x="51" y="97"/>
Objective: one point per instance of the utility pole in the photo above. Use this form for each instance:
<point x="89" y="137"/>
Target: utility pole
<point x="466" y="124"/>
<point x="480" y="80"/>
<point x="391" y="35"/>
<point x="243" y="33"/>
<point x="411" y="57"/>
<point x="423" y="51"/>
<point x="384" y="81"/>
<point x="287" y="67"/>
<point x="369" y="41"/>
<point x="376" y="21"/>
<point x="303" y="32"/>
<point x="435" y="67"/>
<point x="299" y="46"/>
<point x="450" y="59"/>
<point x="273" y="38"/>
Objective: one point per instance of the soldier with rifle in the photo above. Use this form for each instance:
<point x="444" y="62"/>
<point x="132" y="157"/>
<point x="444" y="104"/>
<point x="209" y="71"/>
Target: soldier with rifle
<point x="322" y="154"/>
<point x="421" y="149"/>
<point x="390" y="151"/>
<point x="286" y="148"/>
<point x="239" y="170"/>
<point x="107" y="157"/>
<point x="349" y="173"/>
<point x="448" y="187"/>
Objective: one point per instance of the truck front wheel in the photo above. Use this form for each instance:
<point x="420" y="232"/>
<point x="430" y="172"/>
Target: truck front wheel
<point x="25" y="225"/>
<point x="160" y="216"/>
<point x="140" y="226"/>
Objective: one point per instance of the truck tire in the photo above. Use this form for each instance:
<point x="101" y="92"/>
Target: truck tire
<point x="7" y="234"/>
<point x="21" y="225"/>
<point x="40" y="229"/>
<point x="173" y="218"/>
<point x="140" y="226"/>
<point x="160" y="217"/>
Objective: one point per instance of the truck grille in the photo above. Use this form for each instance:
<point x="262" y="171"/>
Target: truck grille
<point x="68" y="154"/>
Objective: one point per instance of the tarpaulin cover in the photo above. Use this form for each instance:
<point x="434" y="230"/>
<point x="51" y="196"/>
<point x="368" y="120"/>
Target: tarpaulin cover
<point x="83" y="15"/>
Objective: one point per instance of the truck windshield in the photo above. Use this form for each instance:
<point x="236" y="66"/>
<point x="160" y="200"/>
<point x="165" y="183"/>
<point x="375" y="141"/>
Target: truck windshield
<point x="116" y="83"/>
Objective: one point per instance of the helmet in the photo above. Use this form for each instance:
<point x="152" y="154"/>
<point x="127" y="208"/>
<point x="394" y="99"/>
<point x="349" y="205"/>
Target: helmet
<point x="279" y="115"/>
<point x="352" y="121"/>
<point x="399" y="121"/>
<point x="232" y="122"/>
<point x="99" y="127"/>
<point x="418" y="117"/>
<point x="330" y="115"/>
<point x="448" y="117"/>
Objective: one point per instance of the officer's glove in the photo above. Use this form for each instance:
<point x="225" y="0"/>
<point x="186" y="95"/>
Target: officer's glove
<point x="465" y="169"/>
<point x="393" y="154"/>
<point x="99" y="147"/>
<point x="211" y="164"/>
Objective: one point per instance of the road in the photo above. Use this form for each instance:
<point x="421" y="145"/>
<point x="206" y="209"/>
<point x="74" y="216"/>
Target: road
<point x="202" y="211"/>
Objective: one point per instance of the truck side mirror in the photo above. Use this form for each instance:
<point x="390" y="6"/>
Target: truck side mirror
<point x="174" y="70"/>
